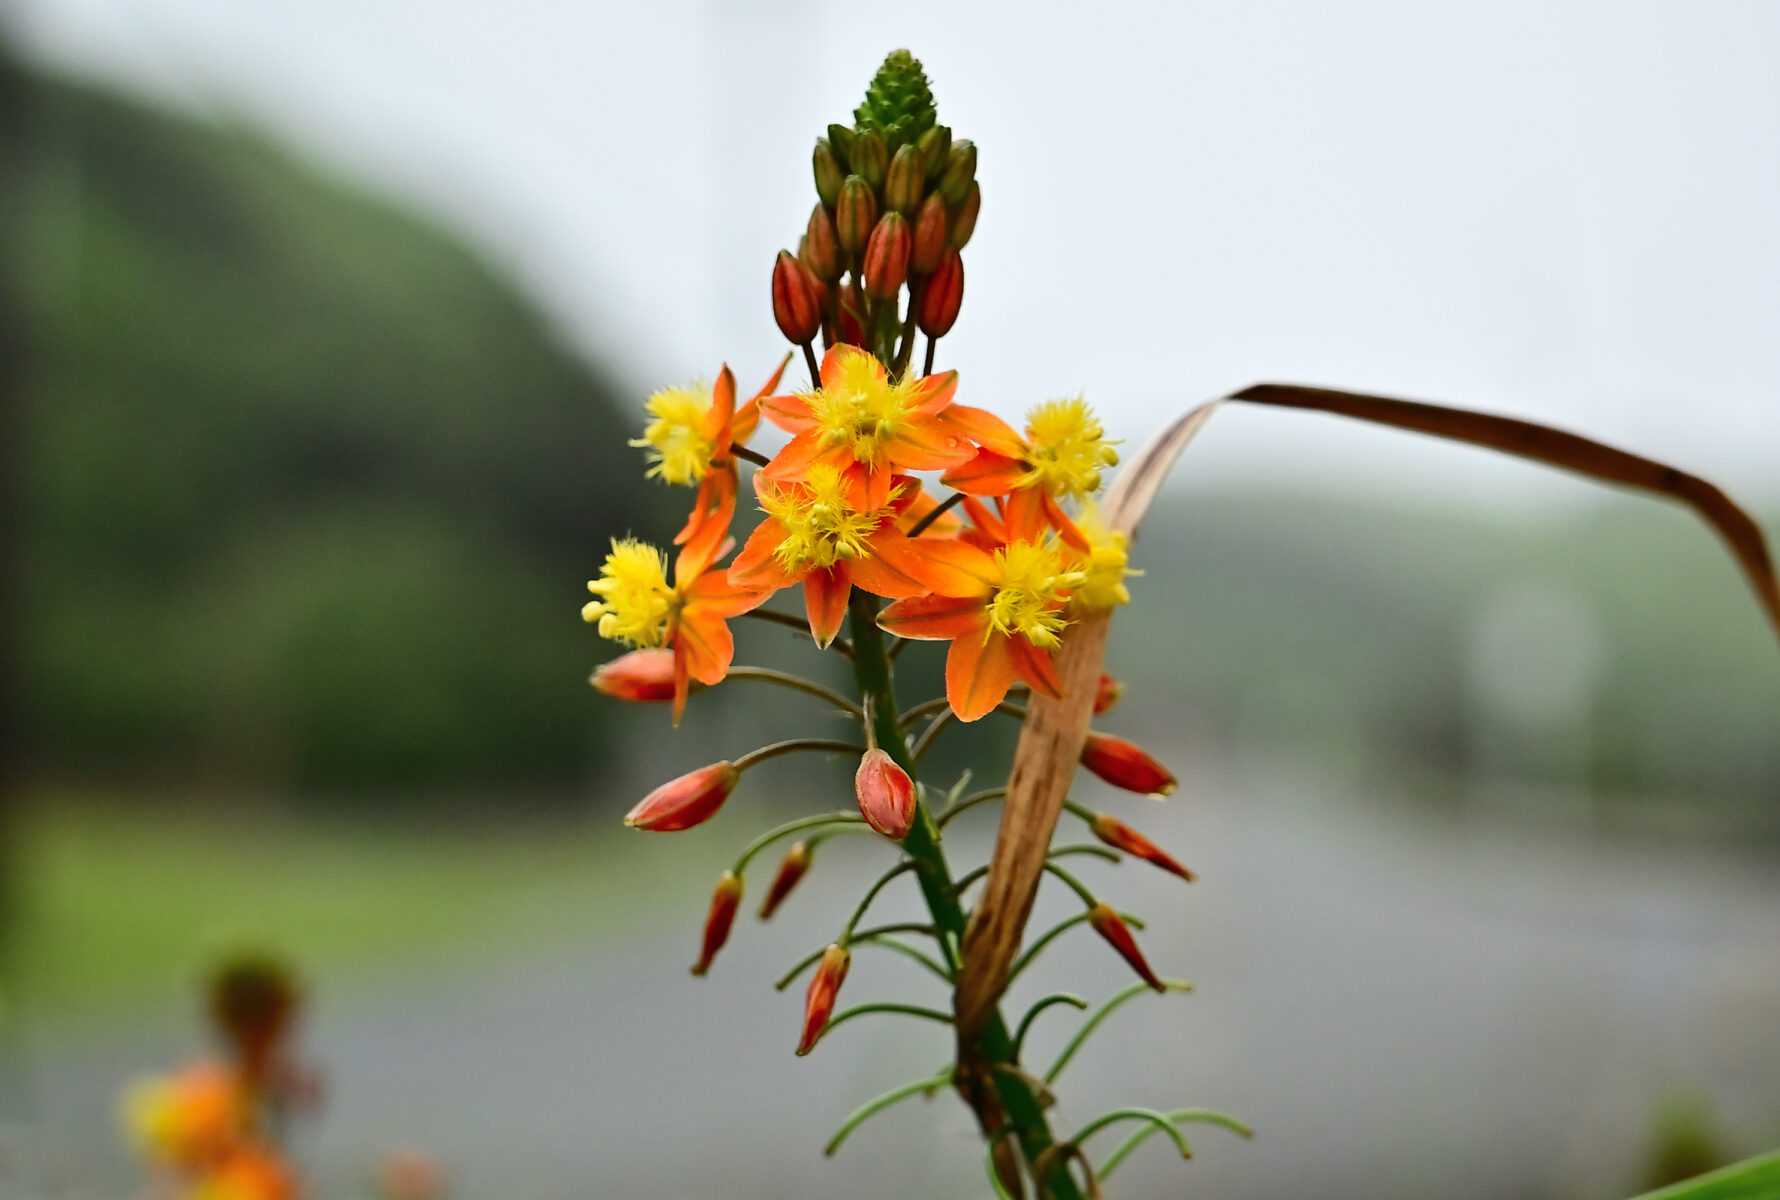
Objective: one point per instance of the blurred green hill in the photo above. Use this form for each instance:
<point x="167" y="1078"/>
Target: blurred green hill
<point x="311" y="491"/>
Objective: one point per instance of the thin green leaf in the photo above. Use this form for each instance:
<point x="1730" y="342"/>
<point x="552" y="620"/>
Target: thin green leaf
<point x="1102" y="1013"/>
<point x="878" y="1104"/>
<point x="1179" y="1115"/>
<point x="1752" y="1179"/>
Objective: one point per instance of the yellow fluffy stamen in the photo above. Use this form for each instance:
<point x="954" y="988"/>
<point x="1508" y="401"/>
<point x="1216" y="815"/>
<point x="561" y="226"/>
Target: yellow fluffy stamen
<point x="1067" y="448"/>
<point x="635" y="601"/>
<point x="1030" y="588"/>
<point x="821" y="527"/>
<point x="1104" y="570"/>
<point x="678" y="449"/>
<point x="861" y="411"/>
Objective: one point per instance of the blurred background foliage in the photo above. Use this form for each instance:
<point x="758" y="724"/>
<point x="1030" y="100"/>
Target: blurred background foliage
<point x="311" y="491"/>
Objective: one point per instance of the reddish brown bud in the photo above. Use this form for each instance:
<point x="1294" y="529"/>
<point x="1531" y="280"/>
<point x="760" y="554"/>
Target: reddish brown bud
<point x="851" y="332"/>
<point x="1107" y="924"/>
<point x="253" y="999"/>
<point x="887" y="257"/>
<point x="1126" y="765"/>
<point x="821" y="251"/>
<point x="818" y="1003"/>
<point x="1107" y="693"/>
<point x="965" y="223"/>
<point x="641" y="675"/>
<point x="692" y="799"/>
<point x="791" y="871"/>
<point x="942" y="297"/>
<point x="855" y="215"/>
<point x="724" y="902"/>
<point x="935" y="145"/>
<point x="960" y="172"/>
<point x="906" y="181"/>
<point x="797" y="305"/>
<point x="886" y="795"/>
<point x="828" y="172"/>
<point x="930" y="236"/>
<point x="1121" y="836"/>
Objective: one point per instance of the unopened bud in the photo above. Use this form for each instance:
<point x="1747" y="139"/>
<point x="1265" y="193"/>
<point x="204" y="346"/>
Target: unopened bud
<point x="886" y="795"/>
<point x="818" y="1003"/>
<point x="692" y="799"/>
<point x="1107" y="693"/>
<point x="641" y="675"/>
<point x="930" y="236"/>
<point x="1121" y="836"/>
<point x="829" y="172"/>
<point x="821" y="251"/>
<point x="960" y="172"/>
<point x="905" y="183"/>
<point x="942" y="297"/>
<point x="935" y="145"/>
<point x="887" y="256"/>
<point x="792" y="869"/>
<point x="1126" y="765"/>
<point x="840" y="137"/>
<point x="797" y="305"/>
<point x="856" y="214"/>
<point x="253" y="999"/>
<point x="724" y="901"/>
<point x="870" y="158"/>
<point x="1108" y="925"/>
<point x="965" y="223"/>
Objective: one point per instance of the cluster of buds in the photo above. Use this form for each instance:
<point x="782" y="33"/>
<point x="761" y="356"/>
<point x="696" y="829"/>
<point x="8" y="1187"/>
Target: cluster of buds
<point x="210" y="1127"/>
<point x="897" y="200"/>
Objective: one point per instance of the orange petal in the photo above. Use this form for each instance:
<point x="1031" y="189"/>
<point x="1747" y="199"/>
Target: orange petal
<point x="1024" y="512"/>
<point x="756" y="565"/>
<point x="936" y="618"/>
<point x="933" y="393"/>
<point x="983" y="519"/>
<point x="790" y="413"/>
<point x="886" y="575"/>
<point x="948" y="567"/>
<point x="1060" y="521"/>
<point x="772" y="385"/>
<point x="825" y="597"/>
<point x="927" y="444"/>
<point x="706" y="644"/>
<point x="700" y="504"/>
<point x="802" y="452"/>
<point x="1035" y="667"/>
<point x="712" y="597"/>
<point x="745" y="422"/>
<point x="988" y="474"/>
<point x="836" y="356"/>
<point x="682" y="682"/>
<point x="985" y="429"/>
<point x="978" y="673"/>
<point x="722" y="408"/>
<point x="710" y="544"/>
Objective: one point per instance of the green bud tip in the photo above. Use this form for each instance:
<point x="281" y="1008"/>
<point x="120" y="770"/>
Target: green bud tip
<point x="898" y="104"/>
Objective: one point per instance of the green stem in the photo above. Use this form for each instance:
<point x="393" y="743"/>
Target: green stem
<point x="1204" y="1115"/>
<point x="798" y="683"/>
<point x="839" y="645"/>
<point x="1056" y="931"/>
<point x="907" y="1010"/>
<point x="788" y="828"/>
<point x="1021" y="1109"/>
<point x="793" y="746"/>
<point x="1157" y="1121"/>
<point x="1106" y="1010"/>
<point x="878" y="1104"/>
<point x="1032" y="1013"/>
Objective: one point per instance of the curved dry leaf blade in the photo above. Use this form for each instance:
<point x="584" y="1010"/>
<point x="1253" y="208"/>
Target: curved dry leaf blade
<point x="1050" y="745"/>
<point x="1554" y="447"/>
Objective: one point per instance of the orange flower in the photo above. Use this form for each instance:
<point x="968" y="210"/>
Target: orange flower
<point x="1061" y="456"/>
<point x="191" y="1118"/>
<point x="815" y="534"/>
<point x="248" y="1173"/>
<point x="689" y="443"/>
<point x="1004" y="629"/>
<point x="637" y="606"/>
<point x="866" y="426"/>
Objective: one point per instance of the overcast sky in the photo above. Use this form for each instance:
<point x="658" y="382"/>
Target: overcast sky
<point x="1568" y="212"/>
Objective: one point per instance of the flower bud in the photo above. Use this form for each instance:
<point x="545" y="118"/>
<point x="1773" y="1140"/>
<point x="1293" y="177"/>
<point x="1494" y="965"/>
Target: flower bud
<point x="792" y="869"/>
<point x="887" y="256"/>
<point x="829" y="172"/>
<point x="942" y="297"/>
<point x="818" y="1003"/>
<point x="1108" y="925"/>
<point x="1107" y="693"/>
<point x="930" y="236"/>
<point x="1121" y="836"/>
<point x="821" y="252"/>
<point x="965" y="222"/>
<point x="870" y="158"/>
<point x="855" y="215"/>
<point x="797" y="305"/>
<point x="1126" y="765"/>
<point x="960" y="172"/>
<point x="935" y="145"/>
<point x="641" y="675"/>
<point x="849" y="331"/>
<point x="905" y="182"/>
<point x="724" y="901"/>
<point x="841" y="138"/>
<point x="690" y="800"/>
<point x="886" y="795"/>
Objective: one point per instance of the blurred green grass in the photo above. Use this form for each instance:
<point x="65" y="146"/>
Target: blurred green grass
<point x="121" y="904"/>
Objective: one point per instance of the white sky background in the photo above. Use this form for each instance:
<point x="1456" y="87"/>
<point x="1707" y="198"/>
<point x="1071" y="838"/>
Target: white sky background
<point x="1568" y="212"/>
